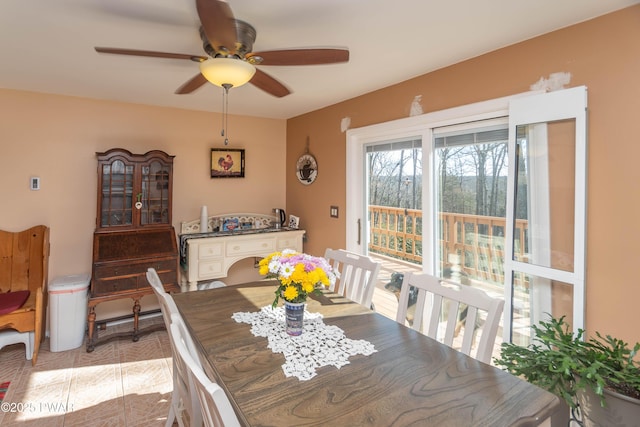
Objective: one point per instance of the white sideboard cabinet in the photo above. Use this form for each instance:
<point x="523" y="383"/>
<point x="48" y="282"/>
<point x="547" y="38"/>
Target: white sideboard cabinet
<point x="210" y="257"/>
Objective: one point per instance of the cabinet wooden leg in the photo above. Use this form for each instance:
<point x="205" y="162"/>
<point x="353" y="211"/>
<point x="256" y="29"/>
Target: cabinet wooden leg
<point x="136" y="314"/>
<point x="91" y="321"/>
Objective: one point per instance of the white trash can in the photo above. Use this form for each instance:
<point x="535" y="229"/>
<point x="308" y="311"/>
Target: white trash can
<point x="67" y="311"/>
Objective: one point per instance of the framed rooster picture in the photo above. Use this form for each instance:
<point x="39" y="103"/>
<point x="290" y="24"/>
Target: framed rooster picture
<point x="227" y="163"/>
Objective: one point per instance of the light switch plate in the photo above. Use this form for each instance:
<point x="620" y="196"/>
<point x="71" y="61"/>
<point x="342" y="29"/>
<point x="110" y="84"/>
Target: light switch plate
<point x="333" y="211"/>
<point x="34" y="182"/>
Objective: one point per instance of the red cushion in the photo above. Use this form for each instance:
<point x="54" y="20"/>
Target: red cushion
<point x="11" y="301"/>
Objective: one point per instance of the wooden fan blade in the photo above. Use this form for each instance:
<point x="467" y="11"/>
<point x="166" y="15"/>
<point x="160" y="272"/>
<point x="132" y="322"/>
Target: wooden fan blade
<point x="263" y="81"/>
<point x="302" y="56"/>
<point x="191" y="85"/>
<point x="218" y="23"/>
<point x="134" y="52"/>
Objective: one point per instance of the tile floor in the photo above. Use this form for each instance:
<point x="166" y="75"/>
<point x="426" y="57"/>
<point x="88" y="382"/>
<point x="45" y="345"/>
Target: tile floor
<point x="121" y="383"/>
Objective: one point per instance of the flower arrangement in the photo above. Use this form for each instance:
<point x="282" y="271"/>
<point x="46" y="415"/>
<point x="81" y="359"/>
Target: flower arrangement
<point x="299" y="274"/>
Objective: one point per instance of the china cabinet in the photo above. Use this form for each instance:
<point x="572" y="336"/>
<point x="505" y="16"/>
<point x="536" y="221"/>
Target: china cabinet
<point x="133" y="232"/>
<point x="134" y="191"/>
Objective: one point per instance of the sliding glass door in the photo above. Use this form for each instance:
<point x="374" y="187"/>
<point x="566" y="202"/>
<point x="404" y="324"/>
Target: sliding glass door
<point x="503" y="199"/>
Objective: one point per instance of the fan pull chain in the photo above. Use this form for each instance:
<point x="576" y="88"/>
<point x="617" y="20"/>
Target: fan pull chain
<point x="225" y="113"/>
<point x="222" y="118"/>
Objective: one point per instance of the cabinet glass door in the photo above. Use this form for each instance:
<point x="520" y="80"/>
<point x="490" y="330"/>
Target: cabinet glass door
<point x="117" y="194"/>
<point x="155" y="194"/>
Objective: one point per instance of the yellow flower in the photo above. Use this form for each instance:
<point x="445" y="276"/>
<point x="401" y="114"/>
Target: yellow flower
<point x="290" y="269"/>
<point x="290" y="293"/>
<point x="298" y="274"/>
<point x="308" y="287"/>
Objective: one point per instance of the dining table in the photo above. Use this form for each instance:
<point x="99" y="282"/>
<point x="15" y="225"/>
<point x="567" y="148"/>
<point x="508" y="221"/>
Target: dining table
<point x="403" y="379"/>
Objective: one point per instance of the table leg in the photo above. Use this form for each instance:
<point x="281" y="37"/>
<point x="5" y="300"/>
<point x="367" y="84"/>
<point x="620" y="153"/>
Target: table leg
<point x="136" y="314"/>
<point x="91" y="321"/>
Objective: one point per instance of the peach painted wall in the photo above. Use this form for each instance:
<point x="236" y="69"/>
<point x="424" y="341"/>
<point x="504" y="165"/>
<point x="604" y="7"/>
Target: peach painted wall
<point x="602" y="54"/>
<point x="56" y="138"/>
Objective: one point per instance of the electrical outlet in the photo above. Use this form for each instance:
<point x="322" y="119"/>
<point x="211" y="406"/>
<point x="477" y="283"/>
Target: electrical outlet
<point x="333" y="212"/>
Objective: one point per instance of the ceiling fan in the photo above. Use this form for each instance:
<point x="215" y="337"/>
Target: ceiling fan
<point x="227" y="40"/>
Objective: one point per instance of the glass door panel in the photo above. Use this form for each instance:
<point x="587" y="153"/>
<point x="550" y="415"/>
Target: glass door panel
<point x="535" y="294"/>
<point x="155" y="194"/>
<point x="470" y="176"/>
<point x="545" y="162"/>
<point x="117" y="194"/>
<point x="470" y="198"/>
<point x="394" y="199"/>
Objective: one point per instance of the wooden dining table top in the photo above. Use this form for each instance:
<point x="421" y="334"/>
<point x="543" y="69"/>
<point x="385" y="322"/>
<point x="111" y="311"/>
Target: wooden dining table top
<point x="411" y="380"/>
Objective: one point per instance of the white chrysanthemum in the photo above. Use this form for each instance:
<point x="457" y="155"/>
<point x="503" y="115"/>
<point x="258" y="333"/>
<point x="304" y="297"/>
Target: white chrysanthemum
<point x="286" y="270"/>
<point x="274" y="266"/>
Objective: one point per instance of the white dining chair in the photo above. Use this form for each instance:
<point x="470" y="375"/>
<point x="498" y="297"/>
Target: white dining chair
<point x="182" y="399"/>
<point x="357" y="275"/>
<point x="167" y="305"/>
<point x="443" y="304"/>
<point x="215" y="407"/>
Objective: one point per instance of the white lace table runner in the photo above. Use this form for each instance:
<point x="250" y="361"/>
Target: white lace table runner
<point x="319" y="345"/>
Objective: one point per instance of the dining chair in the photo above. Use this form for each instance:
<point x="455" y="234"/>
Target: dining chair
<point x="443" y="304"/>
<point x="182" y="397"/>
<point x="358" y="275"/>
<point x="215" y="407"/>
<point x="167" y="305"/>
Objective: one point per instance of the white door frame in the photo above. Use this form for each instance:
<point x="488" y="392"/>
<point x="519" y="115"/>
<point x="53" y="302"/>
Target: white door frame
<point x="544" y="108"/>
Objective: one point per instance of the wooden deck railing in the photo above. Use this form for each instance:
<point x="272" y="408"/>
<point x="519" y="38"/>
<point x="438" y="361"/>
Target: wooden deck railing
<point x="478" y="241"/>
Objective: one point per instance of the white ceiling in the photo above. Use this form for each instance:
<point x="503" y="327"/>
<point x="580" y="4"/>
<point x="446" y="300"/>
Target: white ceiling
<point x="48" y="45"/>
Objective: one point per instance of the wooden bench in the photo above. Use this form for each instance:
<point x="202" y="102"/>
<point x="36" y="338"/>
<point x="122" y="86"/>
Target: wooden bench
<point x="24" y="266"/>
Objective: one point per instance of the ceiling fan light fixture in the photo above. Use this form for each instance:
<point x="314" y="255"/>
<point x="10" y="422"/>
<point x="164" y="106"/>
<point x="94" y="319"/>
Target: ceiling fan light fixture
<point x="227" y="71"/>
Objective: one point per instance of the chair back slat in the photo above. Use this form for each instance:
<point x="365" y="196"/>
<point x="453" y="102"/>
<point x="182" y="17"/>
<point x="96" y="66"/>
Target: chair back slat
<point x="453" y="307"/>
<point x="357" y="275"/>
<point x="448" y="308"/>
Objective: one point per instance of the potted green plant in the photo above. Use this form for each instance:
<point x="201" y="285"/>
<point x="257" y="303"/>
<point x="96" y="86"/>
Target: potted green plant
<point x="599" y="376"/>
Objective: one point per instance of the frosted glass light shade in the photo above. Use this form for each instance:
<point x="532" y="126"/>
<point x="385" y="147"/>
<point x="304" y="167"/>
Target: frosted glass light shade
<point x="229" y="71"/>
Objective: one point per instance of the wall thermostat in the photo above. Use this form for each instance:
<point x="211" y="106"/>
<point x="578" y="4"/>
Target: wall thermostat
<point x="35" y="182"/>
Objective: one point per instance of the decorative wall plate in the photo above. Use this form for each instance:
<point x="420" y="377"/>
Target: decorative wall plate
<point x="307" y="169"/>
